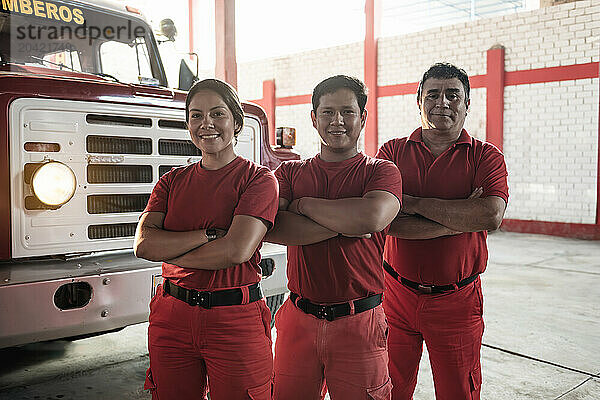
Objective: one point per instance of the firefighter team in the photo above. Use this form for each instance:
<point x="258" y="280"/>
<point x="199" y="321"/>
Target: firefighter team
<point x="383" y="253"/>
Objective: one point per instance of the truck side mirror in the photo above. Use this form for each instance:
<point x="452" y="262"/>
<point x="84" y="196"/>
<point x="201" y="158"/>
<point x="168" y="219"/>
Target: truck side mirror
<point x="186" y="76"/>
<point x="285" y="137"/>
<point x="167" y="29"/>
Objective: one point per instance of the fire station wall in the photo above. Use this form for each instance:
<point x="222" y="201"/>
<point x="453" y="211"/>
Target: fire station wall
<point x="550" y="129"/>
<point x="299" y="73"/>
<point x="551" y="149"/>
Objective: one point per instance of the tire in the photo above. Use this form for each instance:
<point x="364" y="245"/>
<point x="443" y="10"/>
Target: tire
<point x="274" y="302"/>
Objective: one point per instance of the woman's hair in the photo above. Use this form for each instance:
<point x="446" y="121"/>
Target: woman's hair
<point x="227" y="93"/>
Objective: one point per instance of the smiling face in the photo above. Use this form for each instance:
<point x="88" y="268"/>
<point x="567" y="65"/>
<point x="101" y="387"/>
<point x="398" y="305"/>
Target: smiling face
<point x="339" y="121"/>
<point x="443" y="105"/>
<point x="211" y="123"/>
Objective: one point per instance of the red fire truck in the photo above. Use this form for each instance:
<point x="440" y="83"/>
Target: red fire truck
<point x="88" y="126"/>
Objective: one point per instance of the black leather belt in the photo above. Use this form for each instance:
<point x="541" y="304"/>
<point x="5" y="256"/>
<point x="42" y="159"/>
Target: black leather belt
<point x="226" y="297"/>
<point x="333" y="311"/>
<point x="427" y="289"/>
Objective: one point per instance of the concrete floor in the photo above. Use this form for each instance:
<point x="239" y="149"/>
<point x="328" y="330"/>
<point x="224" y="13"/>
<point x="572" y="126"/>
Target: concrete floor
<point x="542" y="337"/>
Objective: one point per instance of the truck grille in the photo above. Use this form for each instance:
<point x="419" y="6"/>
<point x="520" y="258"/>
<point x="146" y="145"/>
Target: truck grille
<point x="116" y="203"/>
<point x="99" y="173"/>
<point x="118" y="120"/>
<point x="111" y="231"/>
<point x="172" y="124"/>
<point x="118" y="145"/>
<point x="174" y="147"/>
<point x="163" y="169"/>
<point x="117" y="153"/>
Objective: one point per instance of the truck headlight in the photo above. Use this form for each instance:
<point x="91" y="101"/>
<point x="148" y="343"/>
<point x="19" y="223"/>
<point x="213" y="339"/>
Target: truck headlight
<point x="54" y="183"/>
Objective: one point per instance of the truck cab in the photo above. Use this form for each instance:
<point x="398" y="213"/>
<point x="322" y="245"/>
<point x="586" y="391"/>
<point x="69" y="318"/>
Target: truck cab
<point x="88" y="125"/>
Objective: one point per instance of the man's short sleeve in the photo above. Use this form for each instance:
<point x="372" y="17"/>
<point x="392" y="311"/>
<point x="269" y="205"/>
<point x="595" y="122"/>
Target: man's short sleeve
<point x="159" y="198"/>
<point x="492" y="174"/>
<point x="261" y="197"/>
<point x="386" y="151"/>
<point x="282" y="173"/>
<point x="386" y="177"/>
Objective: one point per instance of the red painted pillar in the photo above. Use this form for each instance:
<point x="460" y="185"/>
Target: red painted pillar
<point x="373" y="18"/>
<point x="598" y="161"/>
<point x="268" y="104"/>
<point x="226" y="66"/>
<point x="495" y="96"/>
<point x="191" y="24"/>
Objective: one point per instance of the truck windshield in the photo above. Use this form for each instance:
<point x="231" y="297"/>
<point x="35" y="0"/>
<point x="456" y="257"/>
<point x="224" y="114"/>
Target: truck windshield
<point x="71" y="37"/>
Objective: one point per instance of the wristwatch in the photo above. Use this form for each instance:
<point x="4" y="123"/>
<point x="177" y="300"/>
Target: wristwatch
<point x="211" y="234"/>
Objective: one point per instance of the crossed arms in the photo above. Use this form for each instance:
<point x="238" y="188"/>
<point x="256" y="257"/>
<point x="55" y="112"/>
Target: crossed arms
<point x="309" y="220"/>
<point x="191" y="249"/>
<point x="428" y="218"/>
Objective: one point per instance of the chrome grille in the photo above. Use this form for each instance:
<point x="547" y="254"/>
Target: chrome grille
<point x="118" y="120"/>
<point x="174" y="147"/>
<point x="163" y="169"/>
<point x="116" y="203"/>
<point x="100" y="173"/>
<point x="107" y="231"/>
<point x="118" y="145"/>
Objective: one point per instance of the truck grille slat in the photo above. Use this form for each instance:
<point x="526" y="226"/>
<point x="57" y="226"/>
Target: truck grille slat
<point x="98" y="119"/>
<point x="99" y="173"/>
<point x="118" y="145"/>
<point x="174" y="147"/>
<point x="111" y="231"/>
<point x="116" y="203"/>
<point x="172" y="124"/>
<point x="163" y="169"/>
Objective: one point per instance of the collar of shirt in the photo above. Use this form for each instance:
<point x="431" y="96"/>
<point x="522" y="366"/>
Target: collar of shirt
<point x="464" y="137"/>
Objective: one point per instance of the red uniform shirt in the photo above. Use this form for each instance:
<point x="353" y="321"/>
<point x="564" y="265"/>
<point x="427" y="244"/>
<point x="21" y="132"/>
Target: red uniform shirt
<point x="194" y="198"/>
<point x="341" y="268"/>
<point x="468" y="164"/>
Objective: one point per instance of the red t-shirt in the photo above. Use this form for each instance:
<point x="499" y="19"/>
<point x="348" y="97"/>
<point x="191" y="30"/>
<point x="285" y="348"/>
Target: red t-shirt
<point x="341" y="268"/>
<point x="194" y="198"/>
<point x="468" y="164"/>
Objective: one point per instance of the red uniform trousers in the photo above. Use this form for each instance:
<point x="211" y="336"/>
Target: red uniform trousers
<point x="349" y="353"/>
<point x="227" y="348"/>
<point x="452" y="326"/>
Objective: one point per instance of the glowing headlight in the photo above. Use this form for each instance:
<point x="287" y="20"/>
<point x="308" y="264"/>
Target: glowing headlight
<point x="54" y="183"/>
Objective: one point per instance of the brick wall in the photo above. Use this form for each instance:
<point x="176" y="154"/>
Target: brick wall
<point x="550" y="129"/>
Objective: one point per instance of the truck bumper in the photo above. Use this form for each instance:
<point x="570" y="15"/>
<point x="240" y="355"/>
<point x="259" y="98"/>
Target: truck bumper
<point x="30" y="315"/>
<point x="118" y="298"/>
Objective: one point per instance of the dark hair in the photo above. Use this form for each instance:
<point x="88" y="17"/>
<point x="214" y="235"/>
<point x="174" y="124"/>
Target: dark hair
<point x="445" y="71"/>
<point x="227" y="93"/>
<point x="336" y="82"/>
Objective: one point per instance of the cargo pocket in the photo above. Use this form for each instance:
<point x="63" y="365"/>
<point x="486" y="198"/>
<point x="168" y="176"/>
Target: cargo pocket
<point x="150" y="385"/>
<point x="262" y="392"/>
<point x="383" y="392"/>
<point x="475" y="380"/>
<point x="383" y="332"/>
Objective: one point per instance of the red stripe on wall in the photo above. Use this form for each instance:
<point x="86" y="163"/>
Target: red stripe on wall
<point x="293" y="100"/>
<point x="511" y="78"/>
<point x="578" y="231"/>
<point x="476" y="82"/>
<point x="552" y="74"/>
<point x="398" y="90"/>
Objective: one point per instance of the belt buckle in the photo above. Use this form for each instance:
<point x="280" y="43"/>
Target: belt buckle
<point x="326" y="312"/>
<point x="202" y="299"/>
<point x="425" y="289"/>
